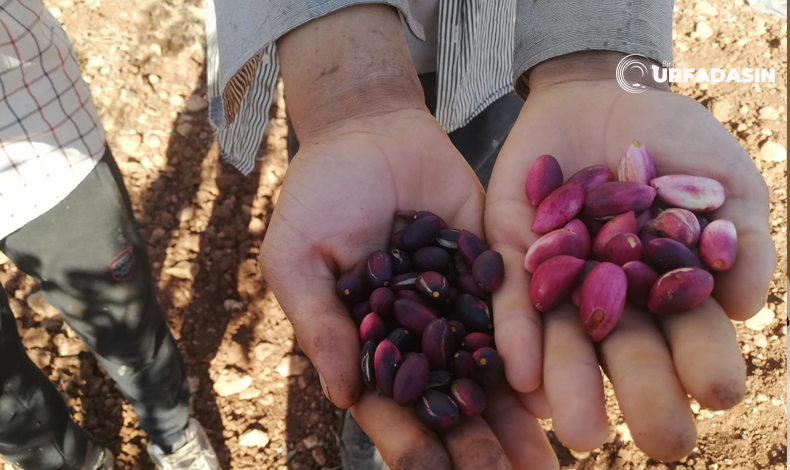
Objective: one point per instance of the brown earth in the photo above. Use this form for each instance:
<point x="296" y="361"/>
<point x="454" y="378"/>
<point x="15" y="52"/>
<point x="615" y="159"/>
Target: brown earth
<point x="203" y="221"/>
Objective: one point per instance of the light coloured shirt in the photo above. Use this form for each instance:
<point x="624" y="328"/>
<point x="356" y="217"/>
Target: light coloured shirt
<point x="423" y="53"/>
<point x="50" y="134"/>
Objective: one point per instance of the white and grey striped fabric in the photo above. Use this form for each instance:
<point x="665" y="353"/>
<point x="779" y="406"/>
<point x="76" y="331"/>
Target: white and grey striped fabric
<point x="479" y="42"/>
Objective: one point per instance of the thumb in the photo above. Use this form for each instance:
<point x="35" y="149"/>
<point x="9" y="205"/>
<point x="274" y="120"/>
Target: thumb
<point x="322" y="324"/>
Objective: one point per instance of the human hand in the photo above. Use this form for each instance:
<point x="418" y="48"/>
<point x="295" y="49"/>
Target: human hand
<point x="578" y="113"/>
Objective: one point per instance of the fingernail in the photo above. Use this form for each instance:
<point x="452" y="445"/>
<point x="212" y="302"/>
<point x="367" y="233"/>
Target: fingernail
<point x="324" y="387"/>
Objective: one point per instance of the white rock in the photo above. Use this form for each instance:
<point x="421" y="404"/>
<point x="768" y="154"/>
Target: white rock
<point x="773" y="152"/>
<point x="152" y="140"/>
<point x="704" y="31"/>
<point x="763" y="318"/>
<point x="624" y="432"/>
<point x="760" y="340"/>
<point x="232" y="305"/>
<point x="293" y="365"/>
<point x="177" y="100"/>
<point x="705" y="8"/>
<point x="184" y="270"/>
<point x="254" y="438"/>
<point x="196" y="103"/>
<point x="723" y="110"/>
<point x="263" y="350"/>
<point x="40" y="306"/>
<point x="69" y="347"/>
<point x="256" y="226"/>
<point x="770" y="113"/>
<point x="695" y="407"/>
<point x="231" y="382"/>
<point x="153" y="79"/>
<point x="311" y="441"/>
<point x="55" y="11"/>
<point x="250" y="394"/>
<point x="130" y="144"/>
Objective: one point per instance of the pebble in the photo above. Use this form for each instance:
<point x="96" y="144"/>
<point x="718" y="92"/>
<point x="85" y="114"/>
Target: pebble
<point x="293" y="365"/>
<point x="263" y="350"/>
<point x="723" y="110"/>
<point x="35" y="338"/>
<point x="773" y="152"/>
<point x="250" y="394"/>
<point x="624" y="432"/>
<point x="769" y="113"/>
<point x="763" y="318"/>
<point x="196" y="104"/>
<point x="256" y="226"/>
<point x="232" y="305"/>
<point x="231" y="382"/>
<point x="176" y="100"/>
<point x="40" y="357"/>
<point x="760" y="340"/>
<point x="319" y="456"/>
<point x="695" y="407"/>
<point x="311" y="441"/>
<point x="68" y="346"/>
<point x="776" y="402"/>
<point x="762" y="398"/>
<point x="703" y="30"/>
<point x="152" y="141"/>
<point x="184" y="129"/>
<point x="130" y="143"/>
<point x="153" y="79"/>
<point x="254" y="438"/>
<point x="184" y="270"/>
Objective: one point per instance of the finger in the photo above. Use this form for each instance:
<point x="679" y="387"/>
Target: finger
<point x="573" y="382"/>
<point x="520" y="434"/>
<point x="473" y="445"/>
<point x="706" y="355"/>
<point x="322" y="324"/>
<point x="653" y="403"/>
<point x="536" y="403"/>
<point x="403" y="441"/>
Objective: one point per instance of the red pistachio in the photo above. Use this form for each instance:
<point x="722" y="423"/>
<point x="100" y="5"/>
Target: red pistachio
<point x="637" y="165"/>
<point x="401" y="261"/>
<point x="553" y="281"/>
<point x="718" y="246"/>
<point x="591" y="177"/>
<point x="577" y="226"/>
<point x="544" y="177"/>
<point x="618" y="197"/>
<point x="623" y="248"/>
<point x="602" y="300"/>
<point x="558" y="242"/>
<point x="678" y="224"/>
<point x="403" y="340"/>
<point x="468" y="285"/>
<point x="405" y="281"/>
<point x="458" y="332"/>
<point x="680" y="290"/>
<point x="440" y="381"/>
<point x="558" y="208"/>
<point x="576" y="294"/>
<point x="622" y="223"/>
<point x="694" y="193"/>
<point x="640" y="279"/>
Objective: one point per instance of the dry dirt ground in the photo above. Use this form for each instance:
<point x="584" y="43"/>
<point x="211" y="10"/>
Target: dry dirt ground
<point x="258" y="397"/>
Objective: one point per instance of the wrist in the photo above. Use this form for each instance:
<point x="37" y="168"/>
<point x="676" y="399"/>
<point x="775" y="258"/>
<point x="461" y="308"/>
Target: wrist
<point x="588" y="66"/>
<point x="349" y="65"/>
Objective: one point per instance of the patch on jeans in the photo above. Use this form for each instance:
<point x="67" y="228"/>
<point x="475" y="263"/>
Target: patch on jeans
<point x="122" y="266"/>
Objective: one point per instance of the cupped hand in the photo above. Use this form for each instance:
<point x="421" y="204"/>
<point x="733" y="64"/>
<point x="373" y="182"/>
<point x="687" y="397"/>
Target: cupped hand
<point x="336" y="206"/>
<point x="654" y="362"/>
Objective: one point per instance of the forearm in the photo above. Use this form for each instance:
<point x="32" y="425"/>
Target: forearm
<point x="349" y="64"/>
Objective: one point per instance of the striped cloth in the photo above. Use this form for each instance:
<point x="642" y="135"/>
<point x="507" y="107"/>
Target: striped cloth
<point x="50" y="134"/>
<point x="484" y="47"/>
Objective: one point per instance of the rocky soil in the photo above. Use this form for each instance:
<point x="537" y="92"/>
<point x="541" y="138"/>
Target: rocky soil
<point x="257" y="395"/>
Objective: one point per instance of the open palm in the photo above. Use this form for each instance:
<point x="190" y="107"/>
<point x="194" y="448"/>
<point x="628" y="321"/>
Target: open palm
<point x="653" y="362"/>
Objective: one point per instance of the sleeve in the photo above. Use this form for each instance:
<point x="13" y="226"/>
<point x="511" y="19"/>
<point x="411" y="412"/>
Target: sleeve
<point x="550" y="28"/>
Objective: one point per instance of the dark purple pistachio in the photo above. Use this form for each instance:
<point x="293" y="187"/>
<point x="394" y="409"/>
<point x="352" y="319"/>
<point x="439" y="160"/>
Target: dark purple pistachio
<point x="473" y="313"/>
<point x="454" y="293"/>
<point x="396" y="240"/>
<point x="457" y="331"/>
<point x="401" y="261"/>
<point x="386" y="362"/>
<point x="448" y="238"/>
<point x="489" y="270"/>
<point x="420" y="214"/>
<point x="438" y="411"/>
<point x="351" y="288"/>
<point x="470" y="398"/>
<point x="468" y="285"/>
<point x="381" y="301"/>
<point x="433" y="286"/>
<point x="703" y="221"/>
<point x="461" y="366"/>
<point x="415" y="296"/>
<point x="488" y="370"/>
<point x="413" y="316"/>
<point x="411" y="380"/>
<point x="360" y="311"/>
<point x="665" y="254"/>
<point x="437" y="344"/>
<point x="372" y="328"/>
<point x="405" y="281"/>
<point x="379" y="269"/>
<point x="421" y="232"/>
<point x="470" y="247"/>
<point x="403" y="340"/>
<point x="366" y="361"/>
<point x="440" y="381"/>
<point x="430" y="258"/>
<point x="474" y="341"/>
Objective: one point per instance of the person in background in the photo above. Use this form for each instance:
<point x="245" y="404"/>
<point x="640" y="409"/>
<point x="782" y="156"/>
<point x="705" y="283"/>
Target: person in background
<point x="381" y="119"/>
<point x="66" y="219"/>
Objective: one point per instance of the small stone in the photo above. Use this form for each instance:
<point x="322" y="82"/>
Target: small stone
<point x="152" y="140"/>
<point x="760" y="340"/>
<point x="776" y="401"/>
<point x="55" y="11"/>
<point x="293" y="365"/>
<point x="250" y="394"/>
<point x="177" y="100"/>
<point x="196" y="103"/>
<point x="723" y="110"/>
<point x="129" y="96"/>
<point x="184" y="129"/>
<point x="40" y="357"/>
<point x="263" y="350"/>
<point x="703" y="30"/>
<point x="159" y="161"/>
<point x="705" y="8"/>
<point x="763" y="318"/>
<point x="194" y="383"/>
<point x="130" y="143"/>
<point x="35" y="338"/>
<point x="311" y="442"/>
<point x="579" y="455"/>
<point x="762" y="398"/>
<point x="256" y="226"/>
<point x="231" y="382"/>
<point x="267" y="400"/>
<point x="695" y="407"/>
<point x="769" y="113"/>
<point x="624" y="432"/>
<point x="67" y="346"/>
<point x="232" y="305"/>
<point x="744" y="110"/>
<point x="319" y="456"/>
<point x="773" y="152"/>
<point x="153" y="79"/>
<point x="254" y="438"/>
<point x="184" y="270"/>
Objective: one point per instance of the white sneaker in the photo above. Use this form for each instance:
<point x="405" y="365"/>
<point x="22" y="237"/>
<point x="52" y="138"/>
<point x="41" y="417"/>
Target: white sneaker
<point x="196" y="454"/>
